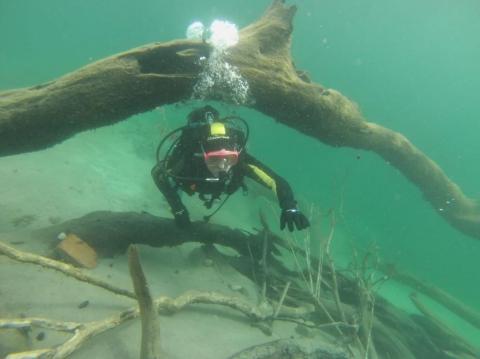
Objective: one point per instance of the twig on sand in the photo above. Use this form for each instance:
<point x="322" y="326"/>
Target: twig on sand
<point x="282" y="298"/>
<point x="65" y="268"/>
<point x="264" y="267"/>
<point x="82" y="332"/>
<point x="333" y="271"/>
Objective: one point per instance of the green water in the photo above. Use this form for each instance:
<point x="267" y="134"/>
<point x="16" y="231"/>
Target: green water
<point x="412" y="66"/>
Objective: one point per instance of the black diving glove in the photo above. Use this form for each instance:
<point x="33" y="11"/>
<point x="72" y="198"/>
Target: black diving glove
<point x="293" y="216"/>
<point x="182" y="219"/>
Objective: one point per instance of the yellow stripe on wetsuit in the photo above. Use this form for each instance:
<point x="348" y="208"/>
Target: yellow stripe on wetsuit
<point x="265" y="178"/>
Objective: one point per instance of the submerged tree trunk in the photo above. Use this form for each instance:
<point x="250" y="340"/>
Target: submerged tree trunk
<point x="141" y="79"/>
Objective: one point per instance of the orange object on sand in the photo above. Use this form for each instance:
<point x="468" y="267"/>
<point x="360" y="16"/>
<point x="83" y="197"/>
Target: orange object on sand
<point x="77" y="251"/>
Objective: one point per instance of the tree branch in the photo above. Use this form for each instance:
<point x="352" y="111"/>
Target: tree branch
<point x="150" y="348"/>
<point x="65" y="268"/>
<point x="141" y="79"/>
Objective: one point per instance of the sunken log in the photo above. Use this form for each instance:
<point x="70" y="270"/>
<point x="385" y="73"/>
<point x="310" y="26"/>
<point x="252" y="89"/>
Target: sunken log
<point x="111" y="233"/>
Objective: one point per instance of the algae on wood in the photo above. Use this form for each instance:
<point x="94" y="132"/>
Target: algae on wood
<point x="141" y="79"/>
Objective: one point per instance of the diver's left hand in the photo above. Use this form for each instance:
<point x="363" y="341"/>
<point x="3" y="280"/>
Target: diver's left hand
<point x="291" y="217"/>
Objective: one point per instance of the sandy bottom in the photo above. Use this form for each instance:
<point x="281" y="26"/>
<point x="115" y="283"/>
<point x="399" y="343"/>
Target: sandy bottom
<point x="106" y="170"/>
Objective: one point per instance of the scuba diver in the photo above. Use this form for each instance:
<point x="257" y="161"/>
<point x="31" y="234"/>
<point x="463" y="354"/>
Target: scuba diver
<point x="209" y="158"/>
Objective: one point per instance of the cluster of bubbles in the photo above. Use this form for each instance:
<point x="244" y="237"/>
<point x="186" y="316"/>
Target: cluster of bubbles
<point x="219" y="80"/>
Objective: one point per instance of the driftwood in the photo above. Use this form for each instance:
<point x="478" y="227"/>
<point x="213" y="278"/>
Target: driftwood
<point x="141" y="79"/>
<point x="82" y="332"/>
<point x="393" y="330"/>
<point x="465" y="312"/>
<point x="65" y="268"/>
<point x="111" y="233"/>
<point x="286" y="349"/>
<point x="453" y="343"/>
<point x="150" y="348"/>
<point x="394" y="333"/>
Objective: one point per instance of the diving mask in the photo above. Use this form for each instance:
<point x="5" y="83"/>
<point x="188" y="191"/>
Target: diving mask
<point x="220" y="161"/>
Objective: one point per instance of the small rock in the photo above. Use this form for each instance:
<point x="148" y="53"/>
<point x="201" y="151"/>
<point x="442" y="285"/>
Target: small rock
<point x="83" y="304"/>
<point x="61" y="236"/>
<point x="40" y="336"/>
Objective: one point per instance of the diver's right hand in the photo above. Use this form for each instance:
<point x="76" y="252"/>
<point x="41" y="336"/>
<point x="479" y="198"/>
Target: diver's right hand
<point x="182" y="218"/>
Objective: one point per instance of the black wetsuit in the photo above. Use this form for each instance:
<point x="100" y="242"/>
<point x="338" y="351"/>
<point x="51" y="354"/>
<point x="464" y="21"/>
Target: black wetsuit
<point x="186" y="170"/>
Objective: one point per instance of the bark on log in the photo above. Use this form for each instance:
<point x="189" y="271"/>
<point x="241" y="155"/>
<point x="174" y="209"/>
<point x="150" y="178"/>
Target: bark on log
<point x="144" y="78"/>
<point x="99" y="94"/>
<point x="111" y="233"/>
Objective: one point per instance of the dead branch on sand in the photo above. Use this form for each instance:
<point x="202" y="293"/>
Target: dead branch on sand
<point x="62" y="267"/>
<point x="345" y="315"/>
<point x="150" y="348"/>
